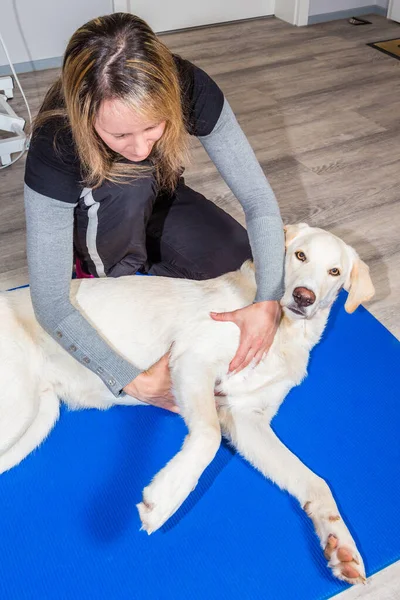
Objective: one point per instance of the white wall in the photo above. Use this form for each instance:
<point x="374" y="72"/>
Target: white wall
<point x="165" y="15"/>
<point x="320" y="7"/>
<point x="38" y="29"/>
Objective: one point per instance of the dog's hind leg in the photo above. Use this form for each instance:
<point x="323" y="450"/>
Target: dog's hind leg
<point x="20" y="367"/>
<point x="24" y="397"/>
<point x="47" y="411"/>
<point x="194" y="390"/>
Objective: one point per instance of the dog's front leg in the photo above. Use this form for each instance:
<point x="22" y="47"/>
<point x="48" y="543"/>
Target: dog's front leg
<point x="252" y="435"/>
<point x="193" y="382"/>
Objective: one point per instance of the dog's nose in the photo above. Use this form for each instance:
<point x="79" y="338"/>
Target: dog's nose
<point x="303" y="297"/>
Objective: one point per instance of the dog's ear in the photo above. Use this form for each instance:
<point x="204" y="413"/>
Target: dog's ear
<point x="358" y="284"/>
<point x="292" y="231"/>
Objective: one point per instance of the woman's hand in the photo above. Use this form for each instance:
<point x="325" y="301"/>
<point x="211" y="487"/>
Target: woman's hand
<point x="258" y="324"/>
<point x="154" y="386"/>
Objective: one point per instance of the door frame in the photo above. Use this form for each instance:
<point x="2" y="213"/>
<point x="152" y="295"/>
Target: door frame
<point x="294" y="12"/>
<point x="390" y="9"/>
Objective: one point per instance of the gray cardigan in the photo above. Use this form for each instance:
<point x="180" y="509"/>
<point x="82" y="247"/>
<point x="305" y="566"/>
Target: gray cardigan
<point x="50" y="251"/>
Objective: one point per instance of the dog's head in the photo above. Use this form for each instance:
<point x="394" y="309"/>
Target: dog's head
<point x="318" y="264"/>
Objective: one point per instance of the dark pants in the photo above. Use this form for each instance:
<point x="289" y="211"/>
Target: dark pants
<point x="120" y="230"/>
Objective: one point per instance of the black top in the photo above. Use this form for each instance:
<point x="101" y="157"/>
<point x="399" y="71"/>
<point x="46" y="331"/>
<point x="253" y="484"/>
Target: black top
<point x="54" y="171"/>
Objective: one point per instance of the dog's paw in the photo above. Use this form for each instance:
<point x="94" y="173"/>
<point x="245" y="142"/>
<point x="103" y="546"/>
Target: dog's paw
<point x="338" y="545"/>
<point x="163" y="497"/>
<point x="344" y="560"/>
<point x="149" y="518"/>
<point x="154" y="511"/>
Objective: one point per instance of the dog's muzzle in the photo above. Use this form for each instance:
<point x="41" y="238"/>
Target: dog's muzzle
<point x="302" y="299"/>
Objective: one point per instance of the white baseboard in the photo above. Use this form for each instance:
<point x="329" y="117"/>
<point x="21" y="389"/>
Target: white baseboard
<point x="371" y="9"/>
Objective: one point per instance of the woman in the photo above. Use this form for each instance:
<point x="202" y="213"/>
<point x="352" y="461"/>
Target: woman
<point x="104" y="181"/>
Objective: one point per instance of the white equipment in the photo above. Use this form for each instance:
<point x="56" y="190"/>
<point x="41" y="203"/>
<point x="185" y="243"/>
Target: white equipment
<point x="11" y="123"/>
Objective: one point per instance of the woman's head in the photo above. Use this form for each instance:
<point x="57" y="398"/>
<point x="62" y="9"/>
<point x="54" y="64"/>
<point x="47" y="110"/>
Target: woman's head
<point x="131" y="135"/>
<point x="121" y="96"/>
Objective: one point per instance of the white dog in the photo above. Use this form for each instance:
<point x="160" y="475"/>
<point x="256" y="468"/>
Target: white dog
<point x="141" y="317"/>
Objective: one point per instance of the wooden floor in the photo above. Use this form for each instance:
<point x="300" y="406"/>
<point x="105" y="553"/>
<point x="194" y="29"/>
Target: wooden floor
<point x="322" y="112"/>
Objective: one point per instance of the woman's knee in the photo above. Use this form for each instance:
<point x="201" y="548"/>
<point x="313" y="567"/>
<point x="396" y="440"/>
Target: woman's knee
<point x="196" y="237"/>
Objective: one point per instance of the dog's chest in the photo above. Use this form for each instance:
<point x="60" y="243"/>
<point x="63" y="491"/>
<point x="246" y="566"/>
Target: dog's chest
<point x="284" y="364"/>
<point x="293" y="358"/>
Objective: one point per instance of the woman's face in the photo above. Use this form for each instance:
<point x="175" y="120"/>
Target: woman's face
<point x="125" y="133"/>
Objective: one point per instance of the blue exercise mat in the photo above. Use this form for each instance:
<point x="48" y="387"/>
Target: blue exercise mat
<point x="69" y="528"/>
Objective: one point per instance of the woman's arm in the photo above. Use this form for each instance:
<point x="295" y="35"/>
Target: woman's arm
<point x="49" y="226"/>
<point x="228" y="148"/>
<point x="230" y="151"/>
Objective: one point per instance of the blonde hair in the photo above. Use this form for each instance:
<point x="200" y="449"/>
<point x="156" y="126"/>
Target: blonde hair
<point x="118" y="56"/>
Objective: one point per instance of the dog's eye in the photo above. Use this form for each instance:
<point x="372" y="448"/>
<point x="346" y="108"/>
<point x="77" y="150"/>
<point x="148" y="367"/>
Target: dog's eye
<point x="335" y="272"/>
<point x="300" y="255"/>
